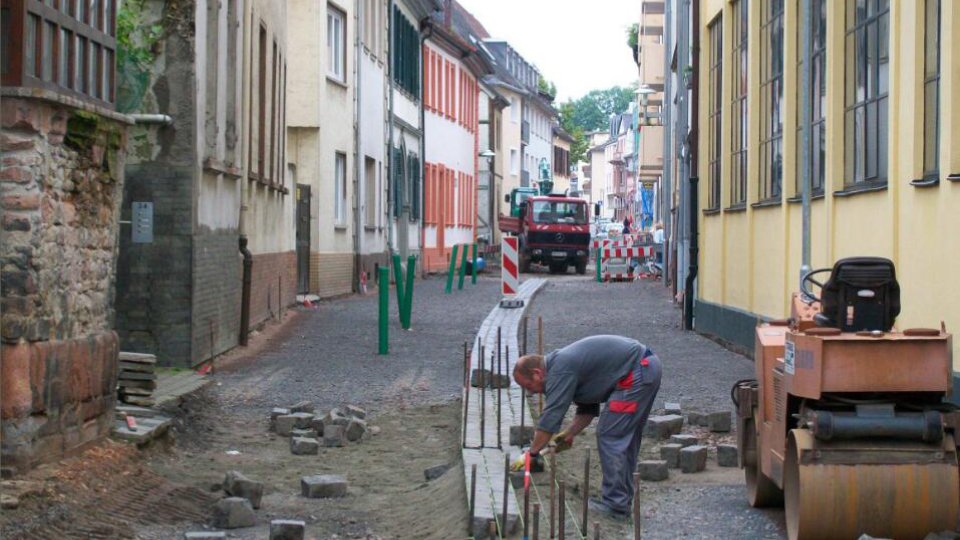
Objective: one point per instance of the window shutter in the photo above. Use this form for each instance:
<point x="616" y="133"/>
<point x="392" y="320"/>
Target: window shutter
<point x="414" y="187"/>
<point x="397" y="190"/>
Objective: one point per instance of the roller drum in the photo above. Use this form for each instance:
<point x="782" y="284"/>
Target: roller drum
<point x="887" y="490"/>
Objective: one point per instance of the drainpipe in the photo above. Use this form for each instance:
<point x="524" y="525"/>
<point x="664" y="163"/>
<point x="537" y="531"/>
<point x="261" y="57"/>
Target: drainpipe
<point x="693" y="196"/>
<point x="806" y="154"/>
<point x="389" y="69"/>
<point x="424" y="36"/>
<point x="694" y="251"/>
<point x="666" y="193"/>
<point x="358" y="231"/>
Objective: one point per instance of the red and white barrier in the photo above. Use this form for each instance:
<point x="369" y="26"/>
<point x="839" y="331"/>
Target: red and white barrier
<point x="509" y="266"/>
<point x="618" y="276"/>
<point x="623" y="252"/>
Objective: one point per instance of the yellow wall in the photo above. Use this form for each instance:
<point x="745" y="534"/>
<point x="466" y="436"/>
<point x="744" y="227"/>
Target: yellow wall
<point x="750" y="259"/>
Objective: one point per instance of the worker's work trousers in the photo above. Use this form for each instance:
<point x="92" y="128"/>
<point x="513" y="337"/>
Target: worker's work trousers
<point x="620" y="429"/>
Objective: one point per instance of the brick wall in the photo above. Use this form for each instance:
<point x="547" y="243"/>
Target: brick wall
<point x="331" y="274"/>
<point x="61" y="184"/>
<point x="274" y="284"/>
<point x="218" y="284"/>
<point x="154" y="280"/>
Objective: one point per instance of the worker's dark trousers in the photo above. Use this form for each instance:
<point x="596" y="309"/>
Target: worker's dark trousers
<point x="620" y="429"/>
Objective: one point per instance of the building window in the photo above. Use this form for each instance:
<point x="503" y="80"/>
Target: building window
<point x="866" y="85"/>
<point x="340" y="188"/>
<point x="715" y="107"/>
<point x="514" y="109"/>
<point x="336" y="44"/>
<point x="514" y="162"/>
<point x="818" y="89"/>
<point x="931" y="90"/>
<point x="371" y="27"/>
<point x="406" y="54"/>
<point x="738" y="178"/>
<point x="771" y="100"/>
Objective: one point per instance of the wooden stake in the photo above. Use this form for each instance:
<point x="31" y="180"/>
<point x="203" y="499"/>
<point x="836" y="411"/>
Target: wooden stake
<point x="553" y="494"/>
<point x="586" y="493"/>
<point x="636" y="506"/>
<point x="536" y="521"/>
<point x="473" y="498"/>
<point x="561" y="512"/>
<point x="596" y="530"/>
<point x="506" y="493"/>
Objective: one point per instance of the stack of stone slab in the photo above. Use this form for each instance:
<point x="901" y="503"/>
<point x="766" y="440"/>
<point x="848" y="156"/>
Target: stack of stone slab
<point x="307" y="431"/>
<point x="137" y="378"/>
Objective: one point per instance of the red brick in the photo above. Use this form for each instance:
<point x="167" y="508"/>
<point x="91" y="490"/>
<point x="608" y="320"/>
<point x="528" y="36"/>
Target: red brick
<point x="21" y="201"/>
<point x="10" y="142"/>
<point x="14" y="173"/>
<point x="15" y="395"/>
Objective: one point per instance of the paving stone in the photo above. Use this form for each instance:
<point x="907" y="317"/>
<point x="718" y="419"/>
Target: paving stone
<point x="727" y="455"/>
<point x="335" y="418"/>
<point x="334" y="436"/>
<point x="274" y="413"/>
<point x="9" y="502"/>
<point x="696" y="419"/>
<point x="321" y="486"/>
<point x="235" y="484"/>
<point x="374" y="430"/>
<point x="478" y="375"/>
<point x="662" y="427"/>
<point x="693" y="459"/>
<point x="302" y="420"/>
<point x="671" y="408"/>
<point x="302" y="406"/>
<point x="356" y="412"/>
<point x="355" y="429"/>
<point x="520" y="437"/>
<point x="670" y="453"/>
<point x="317" y="425"/>
<point x="233" y="513"/>
<point x="204" y="535"/>
<point x="285" y="424"/>
<point x="653" y="470"/>
<point x="304" y="446"/>
<point x="436" y="471"/>
<point x="684" y="440"/>
<point x="719" y="422"/>
<point x="287" y="529"/>
<point x="309" y="433"/>
<point x="500" y="381"/>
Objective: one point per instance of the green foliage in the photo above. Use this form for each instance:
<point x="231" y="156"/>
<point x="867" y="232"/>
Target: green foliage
<point x="592" y="111"/>
<point x="547" y="87"/>
<point x="633" y="36"/>
<point x="580" y="145"/>
<point x="135" y="40"/>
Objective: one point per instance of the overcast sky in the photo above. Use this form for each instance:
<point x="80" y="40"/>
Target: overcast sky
<point x="580" y="45"/>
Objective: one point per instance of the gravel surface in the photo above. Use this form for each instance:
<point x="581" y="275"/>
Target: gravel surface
<point x="697" y="373"/>
<point x="329" y="353"/>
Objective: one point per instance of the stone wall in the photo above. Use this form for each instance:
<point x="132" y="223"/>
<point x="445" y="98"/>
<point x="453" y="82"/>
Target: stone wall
<point x="60" y="193"/>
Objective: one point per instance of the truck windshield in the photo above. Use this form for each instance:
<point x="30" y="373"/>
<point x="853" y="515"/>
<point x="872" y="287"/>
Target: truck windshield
<point x="559" y="212"/>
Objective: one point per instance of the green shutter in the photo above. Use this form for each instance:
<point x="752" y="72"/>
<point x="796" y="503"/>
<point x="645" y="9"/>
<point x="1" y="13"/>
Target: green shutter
<point x="397" y="190"/>
<point x="414" y="187"/>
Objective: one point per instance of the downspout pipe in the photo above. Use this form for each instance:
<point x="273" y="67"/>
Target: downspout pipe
<point x="694" y="252"/>
<point x="142" y="118"/>
<point x="806" y="157"/>
<point x="688" y="302"/>
<point x="245" y="292"/>
<point x="358" y="230"/>
<point x="389" y="142"/>
<point x="424" y="36"/>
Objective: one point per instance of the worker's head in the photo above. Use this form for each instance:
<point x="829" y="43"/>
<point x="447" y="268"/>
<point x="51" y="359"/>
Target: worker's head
<point x="531" y="372"/>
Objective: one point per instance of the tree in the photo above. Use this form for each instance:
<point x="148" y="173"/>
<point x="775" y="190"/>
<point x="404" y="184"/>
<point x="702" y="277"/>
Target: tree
<point x="592" y="111"/>
<point x="633" y="40"/>
<point x="546" y="87"/>
<point x="580" y="145"/>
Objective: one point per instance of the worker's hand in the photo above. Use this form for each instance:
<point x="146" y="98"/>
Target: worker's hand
<point x="562" y="441"/>
<point x="519" y="463"/>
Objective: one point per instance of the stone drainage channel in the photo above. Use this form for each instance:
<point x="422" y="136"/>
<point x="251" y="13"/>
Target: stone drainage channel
<point x="486" y="430"/>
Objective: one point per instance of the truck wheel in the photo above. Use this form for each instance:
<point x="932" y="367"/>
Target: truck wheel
<point x="524" y="264"/>
<point x="582" y="267"/>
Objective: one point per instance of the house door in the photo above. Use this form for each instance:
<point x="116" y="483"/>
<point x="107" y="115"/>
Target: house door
<point x="303" y="238"/>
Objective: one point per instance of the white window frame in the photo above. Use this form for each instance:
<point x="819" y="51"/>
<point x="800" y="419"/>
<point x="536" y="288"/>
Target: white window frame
<point x="340" y="188"/>
<point x="514" y="109"/>
<point x="336" y="44"/>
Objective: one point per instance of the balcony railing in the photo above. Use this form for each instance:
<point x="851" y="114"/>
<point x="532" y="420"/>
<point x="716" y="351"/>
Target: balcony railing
<point x="525" y="132"/>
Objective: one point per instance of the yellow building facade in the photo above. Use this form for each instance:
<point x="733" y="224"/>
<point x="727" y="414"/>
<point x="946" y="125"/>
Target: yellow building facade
<point x="885" y="154"/>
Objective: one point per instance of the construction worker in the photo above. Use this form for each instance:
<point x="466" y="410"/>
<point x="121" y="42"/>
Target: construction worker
<point x="618" y="371"/>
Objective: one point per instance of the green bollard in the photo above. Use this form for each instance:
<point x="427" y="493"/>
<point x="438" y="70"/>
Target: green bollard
<point x="398" y="278"/>
<point x="384" y="309"/>
<point x="453" y="266"/>
<point x="408" y="290"/>
<point x="599" y="279"/>
<point x="473" y="267"/>
<point x="463" y="267"/>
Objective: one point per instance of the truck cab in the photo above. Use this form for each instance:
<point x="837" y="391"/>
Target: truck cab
<point x="554" y="231"/>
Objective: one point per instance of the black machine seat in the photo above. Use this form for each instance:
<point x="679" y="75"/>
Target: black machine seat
<point x="862" y="294"/>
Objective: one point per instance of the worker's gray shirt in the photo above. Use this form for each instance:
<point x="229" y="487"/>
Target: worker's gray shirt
<point x="585" y="372"/>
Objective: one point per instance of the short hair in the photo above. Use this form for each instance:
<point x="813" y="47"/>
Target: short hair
<point x="526" y="364"/>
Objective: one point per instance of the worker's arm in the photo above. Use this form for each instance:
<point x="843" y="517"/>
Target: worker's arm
<point x="540" y="440"/>
<point x="579" y="423"/>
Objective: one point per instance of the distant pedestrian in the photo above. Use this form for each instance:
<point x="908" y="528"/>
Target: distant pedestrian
<point x="618" y="371"/>
<point x="626" y="225"/>
<point x="658" y="241"/>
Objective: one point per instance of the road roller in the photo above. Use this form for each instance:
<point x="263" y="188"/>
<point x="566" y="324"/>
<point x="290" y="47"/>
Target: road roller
<point x="846" y="424"/>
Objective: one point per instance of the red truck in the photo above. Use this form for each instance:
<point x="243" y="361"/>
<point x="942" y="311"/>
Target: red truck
<point x="554" y="231"/>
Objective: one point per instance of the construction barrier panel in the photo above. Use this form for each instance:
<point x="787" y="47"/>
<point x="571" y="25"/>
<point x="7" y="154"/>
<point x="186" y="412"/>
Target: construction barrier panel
<point x="509" y="266"/>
